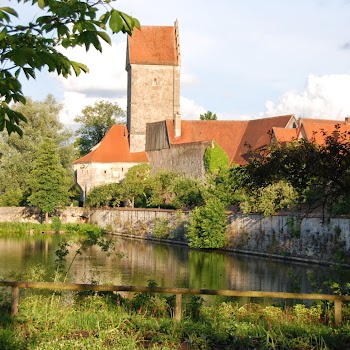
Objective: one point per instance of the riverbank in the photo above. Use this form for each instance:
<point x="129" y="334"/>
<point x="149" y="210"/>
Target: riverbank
<point x="311" y="239"/>
<point x="70" y="321"/>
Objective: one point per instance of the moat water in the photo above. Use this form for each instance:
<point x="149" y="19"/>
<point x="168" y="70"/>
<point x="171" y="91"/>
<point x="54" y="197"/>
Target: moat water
<point x="169" y="265"/>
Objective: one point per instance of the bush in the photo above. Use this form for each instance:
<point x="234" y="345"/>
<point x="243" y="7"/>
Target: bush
<point x="109" y="195"/>
<point x="207" y="227"/>
<point x="269" y="199"/>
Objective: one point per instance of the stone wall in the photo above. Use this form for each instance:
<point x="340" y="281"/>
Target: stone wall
<point x="185" y="159"/>
<point x="308" y="239"/>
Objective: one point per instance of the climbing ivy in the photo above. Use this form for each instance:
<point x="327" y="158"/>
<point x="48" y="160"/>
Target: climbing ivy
<point x="215" y="158"/>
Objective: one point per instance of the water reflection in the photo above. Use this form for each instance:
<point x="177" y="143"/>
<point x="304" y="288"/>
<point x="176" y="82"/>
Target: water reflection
<point x="169" y="265"/>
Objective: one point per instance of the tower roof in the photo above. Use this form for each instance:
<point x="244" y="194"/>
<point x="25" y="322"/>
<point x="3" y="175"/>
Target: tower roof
<point x="154" y="45"/>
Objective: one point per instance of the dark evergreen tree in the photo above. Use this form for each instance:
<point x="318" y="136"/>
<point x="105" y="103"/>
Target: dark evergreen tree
<point x="48" y="182"/>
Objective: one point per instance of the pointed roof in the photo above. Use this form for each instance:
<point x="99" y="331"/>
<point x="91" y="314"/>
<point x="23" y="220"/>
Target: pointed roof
<point x="232" y="136"/>
<point x="157" y="45"/>
<point x="114" y="147"/>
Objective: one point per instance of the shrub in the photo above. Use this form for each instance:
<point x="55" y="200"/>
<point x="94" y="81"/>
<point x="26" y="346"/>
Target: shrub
<point x="207" y="227"/>
<point x="269" y="199"/>
<point x="105" y="196"/>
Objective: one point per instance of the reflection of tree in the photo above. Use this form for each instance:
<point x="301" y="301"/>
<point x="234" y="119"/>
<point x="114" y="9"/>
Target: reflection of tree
<point x="206" y="270"/>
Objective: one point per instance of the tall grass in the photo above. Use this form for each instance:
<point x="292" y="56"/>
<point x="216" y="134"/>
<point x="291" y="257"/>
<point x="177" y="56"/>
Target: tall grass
<point x="108" y="321"/>
<point x="25" y="228"/>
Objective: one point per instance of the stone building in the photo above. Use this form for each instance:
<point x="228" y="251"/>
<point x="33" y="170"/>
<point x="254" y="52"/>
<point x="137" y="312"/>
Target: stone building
<point x="180" y="145"/>
<point x="155" y="131"/>
<point x="153" y="66"/>
<point x="108" y="161"/>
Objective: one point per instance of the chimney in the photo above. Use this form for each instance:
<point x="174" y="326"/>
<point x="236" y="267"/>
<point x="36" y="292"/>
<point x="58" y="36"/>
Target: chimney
<point x="347" y="120"/>
<point x="177" y="124"/>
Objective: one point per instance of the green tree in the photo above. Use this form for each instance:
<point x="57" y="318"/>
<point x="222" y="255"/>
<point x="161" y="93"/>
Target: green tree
<point x="48" y="181"/>
<point x="95" y="121"/>
<point x="208" y="116"/>
<point x="269" y="199"/>
<point x="161" y="194"/>
<point x="318" y="172"/>
<point x="188" y="192"/>
<point x="227" y="184"/>
<point x="207" y="227"/>
<point x="26" y="48"/>
<point x="110" y="195"/>
<point x="18" y="153"/>
<point x="135" y="185"/>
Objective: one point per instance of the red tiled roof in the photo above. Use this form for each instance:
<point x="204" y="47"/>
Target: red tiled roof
<point x="231" y="136"/>
<point x="226" y="133"/>
<point x="153" y="45"/>
<point x="320" y="121"/>
<point x="257" y="135"/>
<point x="114" y="147"/>
<point x="283" y="135"/>
<point x="315" y="131"/>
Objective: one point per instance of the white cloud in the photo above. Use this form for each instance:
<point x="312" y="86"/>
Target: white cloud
<point x="189" y="109"/>
<point x="324" y="97"/>
<point x="106" y="80"/>
<point x="74" y="102"/>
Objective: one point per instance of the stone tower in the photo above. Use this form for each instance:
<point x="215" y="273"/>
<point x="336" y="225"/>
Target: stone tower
<point x="153" y="66"/>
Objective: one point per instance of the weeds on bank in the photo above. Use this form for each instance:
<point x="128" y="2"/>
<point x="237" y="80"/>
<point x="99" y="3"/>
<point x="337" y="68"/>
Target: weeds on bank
<point x="19" y="229"/>
<point x="88" y="320"/>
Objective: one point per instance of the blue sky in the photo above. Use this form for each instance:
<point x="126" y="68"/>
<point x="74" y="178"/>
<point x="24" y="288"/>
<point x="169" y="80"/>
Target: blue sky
<point x="240" y="59"/>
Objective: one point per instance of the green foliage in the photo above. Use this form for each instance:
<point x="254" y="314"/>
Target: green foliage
<point x="18" y="153"/>
<point x="48" y="183"/>
<point x="227" y="184"/>
<point x="70" y="321"/>
<point x="207" y="227"/>
<point x="56" y="224"/>
<point x="141" y="189"/>
<point x="135" y="184"/>
<point x="171" y="190"/>
<point x="294" y="226"/>
<point x="161" y="194"/>
<point x="188" y="192"/>
<point x="319" y="173"/>
<point x="208" y="116"/>
<point x="26" y="48"/>
<point x="109" y="195"/>
<point x="215" y="158"/>
<point x="161" y="229"/>
<point x="12" y="197"/>
<point x="341" y="206"/>
<point x="95" y="122"/>
<point x="270" y="199"/>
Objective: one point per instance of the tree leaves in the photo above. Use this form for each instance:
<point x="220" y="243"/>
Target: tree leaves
<point x="27" y="48"/>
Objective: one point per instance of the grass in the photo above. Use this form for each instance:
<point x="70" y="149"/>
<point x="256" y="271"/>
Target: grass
<point x="93" y="321"/>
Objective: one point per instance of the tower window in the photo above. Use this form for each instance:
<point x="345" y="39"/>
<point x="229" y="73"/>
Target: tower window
<point x="155" y="82"/>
